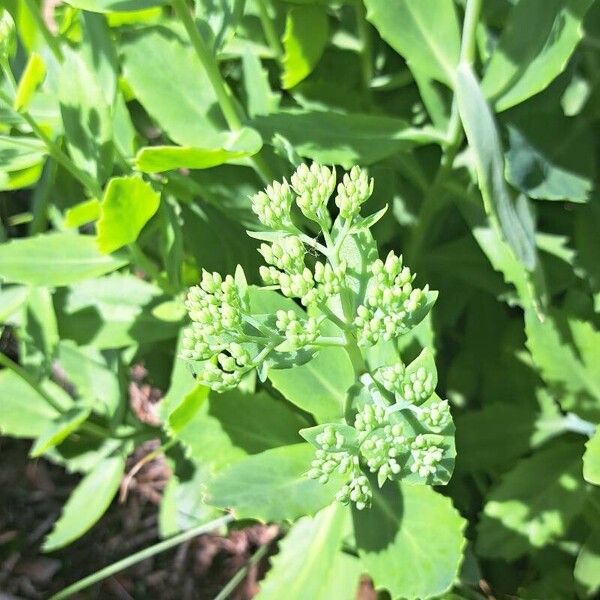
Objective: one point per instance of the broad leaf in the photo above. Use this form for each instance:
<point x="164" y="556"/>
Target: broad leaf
<point x="410" y="541"/>
<point x="535" y="46"/>
<point x="591" y="459"/>
<point x="272" y="486"/>
<point x="425" y="33"/>
<point x="480" y="128"/>
<point x="309" y="559"/>
<point x="105" y="6"/>
<point x="87" y="503"/>
<point x="587" y="566"/>
<point x="60" y="429"/>
<point x="306" y="33"/>
<point x="86" y="118"/>
<point x="534" y="503"/>
<point x="344" y="139"/>
<point x="54" y="259"/>
<point x="128" y="204"/>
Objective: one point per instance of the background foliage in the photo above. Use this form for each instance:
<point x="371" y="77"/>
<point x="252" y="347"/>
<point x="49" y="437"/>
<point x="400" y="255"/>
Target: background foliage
<point x="133" y="133"/>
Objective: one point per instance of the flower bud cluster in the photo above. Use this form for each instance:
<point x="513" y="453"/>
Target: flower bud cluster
<point x="390" y="302"/>
<point x="325" y="463"/>
<point x="273" y="206"/>
<point x="330" y="281"/>
<point x="314" y="185"/>
<point x="391" y="377"/>
<point x="354" y="189"/>
<point x="297" y="332"/>
<point x="426" y="455"/>
<point x="417" y="386"/>
<point x="436" y="416"/>
<point x="357" y="490"/>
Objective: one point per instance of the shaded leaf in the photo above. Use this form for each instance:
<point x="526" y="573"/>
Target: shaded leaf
<point x="60" y="429"/>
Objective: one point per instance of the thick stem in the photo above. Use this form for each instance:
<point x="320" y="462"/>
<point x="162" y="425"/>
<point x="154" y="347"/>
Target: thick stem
<point x="268" y="29"/>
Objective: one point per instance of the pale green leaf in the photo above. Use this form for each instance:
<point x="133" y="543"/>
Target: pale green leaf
<point x="272" y="486"/>
<point x="587" y="565"/>
<point x="425" y="32"/>
<point x="54" y="259"/>
<point x="128" y="204"/>
<point x="235" y="145"/>
<point x="107" y="6"/>
<point x="86" y="118"/>
<point x="87" y="503"/>
<point x="535" y="46"/>
<point x="344" y="139"/>
<point x="23" y="411"/>
<point x="59" y="430"/>
<point x="18" y="153"/>
<point x="534" y="503"/>
<point x="157" y="60"/>
<point x="82" y="213"/>
<point x="591" y="459"/>
<point x="410" y="541"/>
<point x="512" y="219"/>
<point x="308" y="560"/>
<point x="306" y="33"/>
<point x="261" y="99"/>
<point x="32" y="77"/>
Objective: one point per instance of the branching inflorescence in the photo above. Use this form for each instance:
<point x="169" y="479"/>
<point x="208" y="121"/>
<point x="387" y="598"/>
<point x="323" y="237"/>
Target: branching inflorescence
<point x="336" y="292"/>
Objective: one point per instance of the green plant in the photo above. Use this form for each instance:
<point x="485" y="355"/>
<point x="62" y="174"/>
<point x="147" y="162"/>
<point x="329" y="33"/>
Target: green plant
<point x="136" y="141"/>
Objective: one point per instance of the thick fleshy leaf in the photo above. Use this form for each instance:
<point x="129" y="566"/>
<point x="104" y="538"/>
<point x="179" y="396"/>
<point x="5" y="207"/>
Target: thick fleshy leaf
<point x="272" y="486"/>
<point x="87" y="503"/>
<point x="128" y="204"/>
<point x="306" y="33"/>
<point x="344" y="139"/>
<point x="86" y="118"/>
<point x="535" y="46"/>
<point x="59" y="430"/>
<point x="54" y="259"/>
<point x="410" y="541"/>
<point x="235" y="145"/>
<point x="534" y="503"/>
<point x="591" y="459"/>
<point x="309" y="560"/>
<point x="513" y="219"/>
<point x="157" y="59"/>
<point x="426" y="33"/>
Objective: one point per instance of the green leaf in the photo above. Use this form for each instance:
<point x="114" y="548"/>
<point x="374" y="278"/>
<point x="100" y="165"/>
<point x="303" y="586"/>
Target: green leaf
<point x="272" y="486"/>
<point x="342" y="139"/>
<point x="32" y="77"/>
<point x="86" y="118"/>
<point x="512" y="219"/>
<point x="535" y="46"/>
<point x="60" y="429"/>
<point x="261" y="98"/>
<point x="549" y="157"/>
<point x="235" y="145"/>
<point x="309" y="560"/>
<point x="305" y="37"/>
<point x="591" y="459"/>
<point x="54" y="259"/>
<point x="112" y="312"/>
<point x="587" y="565"/>
<point x="87" y="503"/>
<point x="23" y="411"/>
<point x="82" y="213"/>
<point x="425" y="33"/>
<point x="106" y="6"/>
<point x="410" y="541"/>
<point x="127" y="205"/>
<point x="17" y="153"/>
<point x="534" y="503"/>
<point x="158" y="58"/>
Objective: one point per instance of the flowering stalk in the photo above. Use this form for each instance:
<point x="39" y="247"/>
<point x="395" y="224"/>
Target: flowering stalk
<point x="394" y="427"/>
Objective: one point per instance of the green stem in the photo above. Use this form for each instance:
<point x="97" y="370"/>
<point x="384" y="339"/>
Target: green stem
<point x="433" y="199"/>
<point x="51" y="40"/>
<point x="366" y="54"/>
<point x="142" y="555"/>
<point x="239" y="576"/>
<point x="209" y="63"/>
<point x="269" y="30"/>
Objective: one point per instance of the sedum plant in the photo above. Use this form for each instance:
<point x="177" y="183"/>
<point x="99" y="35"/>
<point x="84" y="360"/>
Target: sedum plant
<point x="341" y="294"/>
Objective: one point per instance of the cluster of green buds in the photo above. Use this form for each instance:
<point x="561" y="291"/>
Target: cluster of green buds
<point x="329" y="289"/>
